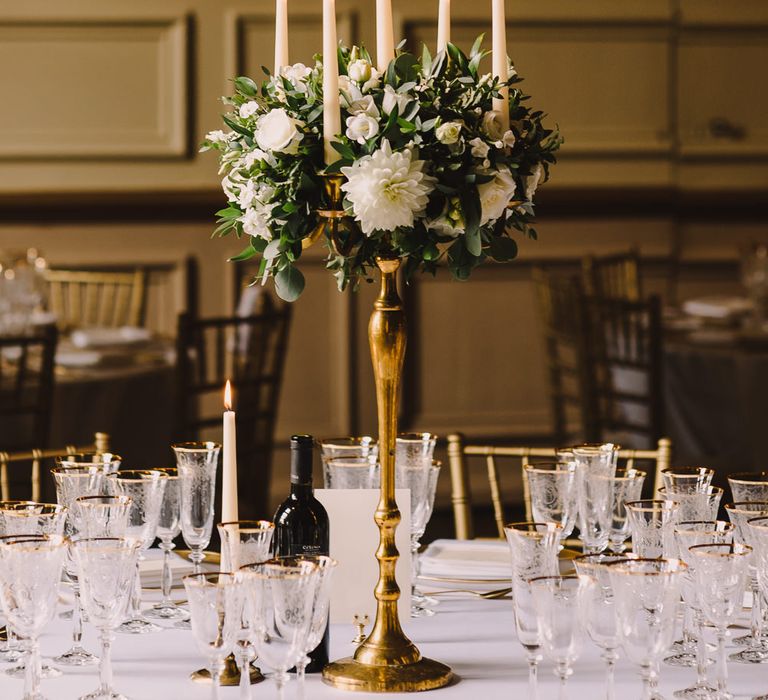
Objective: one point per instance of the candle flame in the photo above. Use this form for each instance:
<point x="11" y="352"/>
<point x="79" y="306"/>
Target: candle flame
<point x="228" y="396"/>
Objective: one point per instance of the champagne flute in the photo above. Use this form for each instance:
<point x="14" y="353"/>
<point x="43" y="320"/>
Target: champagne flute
<point x="552" y="487"/>
<point x="652" y="524"/>
<point x="627" y="486"/>
<point x="595" y="466"/>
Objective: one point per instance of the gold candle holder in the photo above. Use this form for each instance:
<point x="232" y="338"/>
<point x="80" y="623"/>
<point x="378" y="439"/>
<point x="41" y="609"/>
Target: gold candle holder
<point x="387" y="661"/>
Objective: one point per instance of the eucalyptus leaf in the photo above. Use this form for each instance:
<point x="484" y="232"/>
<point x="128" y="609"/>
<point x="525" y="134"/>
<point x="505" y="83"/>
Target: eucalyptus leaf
<point x="289" y="283"/>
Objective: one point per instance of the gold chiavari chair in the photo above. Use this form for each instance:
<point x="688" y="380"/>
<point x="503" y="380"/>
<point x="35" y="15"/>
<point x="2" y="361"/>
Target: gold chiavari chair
<point x="35" y="458"/>
<point x="109" y="298"/>
<point x="613" y="276"/>
<point x="461" y="493"/>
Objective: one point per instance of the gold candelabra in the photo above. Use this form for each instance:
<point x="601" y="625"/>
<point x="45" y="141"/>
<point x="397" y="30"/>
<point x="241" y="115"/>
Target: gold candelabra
<point x="387" y="661"/>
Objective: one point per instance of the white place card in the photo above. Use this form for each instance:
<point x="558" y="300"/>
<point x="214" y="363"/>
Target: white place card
<point x="354" y="541"/>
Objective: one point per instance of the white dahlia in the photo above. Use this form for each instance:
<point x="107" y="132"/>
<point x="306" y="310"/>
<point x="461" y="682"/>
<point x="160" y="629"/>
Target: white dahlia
<point x="387" y="190"/>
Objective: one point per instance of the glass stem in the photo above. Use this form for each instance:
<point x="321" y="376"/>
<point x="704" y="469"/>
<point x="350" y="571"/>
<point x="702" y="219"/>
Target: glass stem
<point x="610" y="667"/>
<point x="688" y="638"/>
<point x="77" y="616"/>
<point x="414" y="565"/>
<point x="756" y="619"/>
<point x="33" y="670"/>
<point x="300" y="676"/>
<point x="167" y="581"/>
<point x="653" y="679"/>
<point x="280" y="678"/>
<point x="216" y="667"/>
<point x="196" y="556"/>
<point x="722" y="670"/>
<point x="135" y="611"/>
<point x="701" y="651"/>
<point x="245" y="674"/>
<point x="105" y="665"/>
<point x="562" y="672"/>
<point x="533" y="675"/>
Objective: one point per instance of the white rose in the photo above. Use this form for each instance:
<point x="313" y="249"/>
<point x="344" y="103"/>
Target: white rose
<point x="449" y="133"/>
<point x="349" y="91"/>
<point x="359" y="70"/>
<point x="533" y="180"/>
<point x="296" y="75"/>
<point x="480" y="148"/>
<point x="495" y="195"/>
<point x="248" y="109"/>
<point x="218" y="136"/>
<point x="361" y="127"/>
<point x="509" y="138"/>
<point x="365" y="105"/>
<point x="256" y="222"/>
<point x="373" y="81"/>
<point x="394" y="99"/>
<point x="255" y="156"/>
<point x="493" y="126"/>
<point x="278" y="131"/>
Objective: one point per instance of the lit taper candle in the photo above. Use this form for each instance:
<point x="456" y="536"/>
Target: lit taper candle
<point x="500" y="65"/>
<point x="443" y="25"/>
<point x="281" y="35"/>
<point x="331" y="109"/>
<point x="229" y="476"/>
<point x="385" y="38"/>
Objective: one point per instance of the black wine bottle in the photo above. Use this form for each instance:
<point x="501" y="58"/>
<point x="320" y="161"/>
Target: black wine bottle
<point x="301" y="525"/>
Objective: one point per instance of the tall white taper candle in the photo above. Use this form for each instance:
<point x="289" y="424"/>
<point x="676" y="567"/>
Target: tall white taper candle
<point x="500" y="65"/>
<point x="281" y="35"/>
<point x="229" y="476"/>
<point x="331" y="109"/>
<point x="385" y="38"/>
<point x="443" y="25"/>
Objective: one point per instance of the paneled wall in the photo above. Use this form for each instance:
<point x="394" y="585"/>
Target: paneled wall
<point x="660" y="102"/>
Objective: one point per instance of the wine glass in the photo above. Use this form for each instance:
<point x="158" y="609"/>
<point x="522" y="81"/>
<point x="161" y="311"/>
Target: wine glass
<point x="197" y="463"/>
<point x="719" y="575"/>
<point x="695" y="505"/>
<point x="627" y="485"/>
<point x="739" y="513"/>
<point x="145" y="488"/>
<point x="101" y="516"/>
<point x="73" y="480"/>
<point x="245" y="542"/>
<point x="31" y="518"/>
<point x="687" y="479"/>
<point x="30" y="571"/>
<point x="534" y="547"/>
<point x="351" y="473"/>
<point x="318" y="627"/>
<point x="557" y="600"/>
<point x="421" y="479"/>
<point x="652" y="523"/>
<point x="595" y="466"/>
<point x="107" y="462"/>
<point x="646" y="594"/>
<point x="357" y="449"/>
<point x="216" y="607"/>
<point x="281" y="598"/>
<point x="552" y="489"/>
<point x="414" y="448"/>
<point x="168" y="527"/>
<point x="749" y="486"/>
<point x="693" y="648"/>
<point x="599" y="609"/>
<point x="106" y="569"/>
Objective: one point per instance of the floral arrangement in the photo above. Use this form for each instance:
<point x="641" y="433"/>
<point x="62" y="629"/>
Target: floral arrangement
<point x="430" y="172"/>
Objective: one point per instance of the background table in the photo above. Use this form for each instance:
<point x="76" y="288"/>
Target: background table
<point x="475" y="637"/>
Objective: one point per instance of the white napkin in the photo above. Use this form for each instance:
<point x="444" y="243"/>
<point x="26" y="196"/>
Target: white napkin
<point x="97" y="336"/>
<point x="717" y="307"/>
<point x="77" y="358"/>
<point x="475" y="559"/>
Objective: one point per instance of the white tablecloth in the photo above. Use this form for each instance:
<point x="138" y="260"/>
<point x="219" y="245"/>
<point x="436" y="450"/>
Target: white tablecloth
<point x="475" y="637"/>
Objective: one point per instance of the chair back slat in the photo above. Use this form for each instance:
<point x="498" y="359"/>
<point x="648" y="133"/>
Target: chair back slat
<point x="461" y="487"/>
<point x="613" y="276"/>
<point x="4" y="488"/>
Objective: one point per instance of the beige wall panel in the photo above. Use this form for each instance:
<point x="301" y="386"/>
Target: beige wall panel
<point x="715" y="87"/>
<point x="578" y="75"/>
<point x="101" y="90"/>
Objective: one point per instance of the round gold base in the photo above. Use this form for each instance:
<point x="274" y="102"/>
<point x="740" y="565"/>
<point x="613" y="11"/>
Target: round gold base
<point x="229" y="676"/>
<point x="425" y="674"/>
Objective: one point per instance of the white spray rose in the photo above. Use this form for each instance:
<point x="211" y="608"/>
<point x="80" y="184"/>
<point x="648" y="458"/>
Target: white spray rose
<point x="349" y="92"/>
<point x="248" y="109"/>
<point x="219" y="136"/>
<point x="533" y="180"/>
<point x="365" y="105"/>
<point x="492" y="125"/>
<point x="278" y="131"/>
<point x="256" y="156"/>
<point x="387" y="190"/>
<point x="255" y="222"/>
<point x="449" y="133"/>
<point x="509" y="138"/>
<point x="480" y="148"/>
<point x="361" y="127"/>
<point x="495" y="195"/>
<point x="359" y="70"/>
<point x="297" y="75"/>
<point x="394" y="99"/>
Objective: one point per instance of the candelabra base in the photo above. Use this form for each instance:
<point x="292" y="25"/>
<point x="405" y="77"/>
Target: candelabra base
<point x="424" y="674"/>
<point x="229" y="676"/>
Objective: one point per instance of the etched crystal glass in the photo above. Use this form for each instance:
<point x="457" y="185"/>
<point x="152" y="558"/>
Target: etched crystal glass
<point x="652" y="524"/>
<point x="687" y="479"/>
<point x="647" y="594"/>
<point x="595" y="467"/>
<point x="694" y="505"/>
<point x="627" y="485"/>
<point x="749" y="486"/>
<point x="552" y="488"/>
<point x="351" y="473"/>
<point x="363" y="452"/>
<point x="107" y="462"/>
<point x="31" y="518"/>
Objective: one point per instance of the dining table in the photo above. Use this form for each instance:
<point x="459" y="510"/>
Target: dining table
<point x="474" y="636"/>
